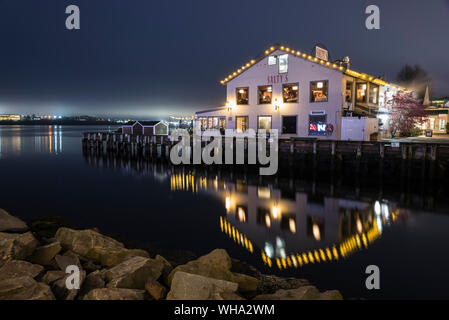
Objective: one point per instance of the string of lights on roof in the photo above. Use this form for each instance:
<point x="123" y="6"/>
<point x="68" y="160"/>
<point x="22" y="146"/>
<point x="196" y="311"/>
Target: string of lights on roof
<point x="310" y="58"/>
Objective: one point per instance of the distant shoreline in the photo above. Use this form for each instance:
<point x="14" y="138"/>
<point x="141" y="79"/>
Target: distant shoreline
<point x="58" y="122"/>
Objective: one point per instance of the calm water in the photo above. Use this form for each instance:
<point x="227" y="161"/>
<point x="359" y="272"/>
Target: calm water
<point x="325" y="233"/>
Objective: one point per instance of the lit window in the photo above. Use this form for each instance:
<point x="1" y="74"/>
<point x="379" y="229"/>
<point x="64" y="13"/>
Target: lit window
<point x="290" y="93"/>
<point x="283" y="63"/>
<point x="264" y="122"/>
<point x="203" y="123"/>
<point x="442" y="124"/>
<point x="265" y="93"/>
<point x="361" y="92"/>
<point x="373" y="94"/>
<point x="348" y="92"/>
<point x="242" y="95"/>
<point x="289" y="124"/>
<point x="241" y="124"/>
<point x="318" y="91"/>
<point x="271" y="60"/>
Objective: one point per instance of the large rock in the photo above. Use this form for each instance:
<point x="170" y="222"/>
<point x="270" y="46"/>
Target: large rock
<point x="155" y="289"/>
<point x="9" y="223"/>
<point x="52" y="276"/>
<point x="93" y="281"/>
<point x="44" y="255"/>
<point x="271" y="283"/>
<point x="18" y="268"/>
<point x="133" y="273"/>
<point x="166" y="270"/>
<point x="302" y="293"/>
<point x="16" y="246"/>
<point x="59" y="287"/>
<point x="87" y="243"/>
<point x="115" y="294"/>
<point x="186" y="286"/>
<point x="67" y="259"/>
<point x="24" y="288"/>
<point x="113" y="258"/>
<point x="216" y="264"/>
<point x="331" y="295"/>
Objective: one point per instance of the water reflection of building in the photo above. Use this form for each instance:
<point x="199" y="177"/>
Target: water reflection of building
<point x="50" y="141"/>
<point x="292" y="228"/>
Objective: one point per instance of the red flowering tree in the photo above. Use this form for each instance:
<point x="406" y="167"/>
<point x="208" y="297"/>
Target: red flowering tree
<point x="406" y="113"/>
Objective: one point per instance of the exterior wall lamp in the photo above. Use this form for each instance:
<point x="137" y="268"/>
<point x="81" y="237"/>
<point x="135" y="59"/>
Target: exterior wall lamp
<point x="277" y="104"/>
<point x="230" y="106"/>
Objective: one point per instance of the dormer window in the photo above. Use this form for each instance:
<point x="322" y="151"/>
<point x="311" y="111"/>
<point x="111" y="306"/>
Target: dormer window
<point x="283" y="63"/>
<point x="272" y="60"/>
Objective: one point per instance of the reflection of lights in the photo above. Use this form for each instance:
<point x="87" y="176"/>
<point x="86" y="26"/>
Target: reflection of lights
<point x="292" y="225"/>
<point x="241" y="215"/>
<point x="267" y="220"/>
<point x="385" y="211"/>
<point x="377" y="208"/>
<point x="359" y="225"/>
<point x="316" y="232"/>
<point x="276" y="211"/>
<point x="379" y="224"/>
<point x="263" y="192"/>
<point x="269" y="250"/>
<point x="228" y="203"/>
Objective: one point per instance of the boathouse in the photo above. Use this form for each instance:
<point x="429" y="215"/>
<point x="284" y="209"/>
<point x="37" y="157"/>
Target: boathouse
<point x="145" y="128"/>
<point x="301" y="95"/>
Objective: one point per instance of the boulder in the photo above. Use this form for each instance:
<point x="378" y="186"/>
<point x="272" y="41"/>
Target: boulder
<point x="246" y="283"/>
<point x="155" y="289"/>
<point x="89" y="266"/>
<point x="59" y="287"/>
<point x="68" y="259"/>
<point x="18" y="268"/>
<point x="227" y="296"/>
<point x="44" y="255"/>
<point x="93" y="281"/>
<point x="302" y="293"/>
<point x="115" y="294"/>
<point x="9" y="223"/>
<point x="113" y="258"/>
<point x="186" y="286"/>
<point x="331" y="295"/>
<point x="38" y="291"/>
<point x="16" y="246"/>
<point x="52" y="276"/>
<point x="166" y="270"/>
<point x="216" y="264"/>
<point x="13" y="286"/>
<point x="87" y="243"/>
<point x="133" y="273"/>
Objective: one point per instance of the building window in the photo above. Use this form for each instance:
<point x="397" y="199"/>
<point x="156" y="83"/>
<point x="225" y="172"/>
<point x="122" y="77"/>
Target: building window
<point x="318" y="91"/>
<point x="317" y="124"/>
<point x="361" y="92"/>
<point x="283" y="63"/>
<point x="289" y="124"/>
<point x="203" y="123"/>
<point x="373" y="94"/>
<point x="222" y="124"/>
<point x="348" y="92"/>
<point x="241" y="124"/>
<point x="271" y="60"/>
<point x="290" y="93"/>
<point x="442" y="124"/>
<point x="242" y="95"/>
<point x="264" y="122"/>
<point x="265" y="94"/>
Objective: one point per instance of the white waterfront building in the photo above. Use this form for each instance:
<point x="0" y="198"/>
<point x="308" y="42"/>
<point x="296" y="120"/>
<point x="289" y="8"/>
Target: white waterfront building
<point x="301" y="95"/>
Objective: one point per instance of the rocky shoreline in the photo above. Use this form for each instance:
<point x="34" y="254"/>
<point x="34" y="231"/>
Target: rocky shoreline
<point x="33" y="262"/>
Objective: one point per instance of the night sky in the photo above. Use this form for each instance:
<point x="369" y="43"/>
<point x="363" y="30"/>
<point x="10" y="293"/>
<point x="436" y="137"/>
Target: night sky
<point x="150" y="59"/>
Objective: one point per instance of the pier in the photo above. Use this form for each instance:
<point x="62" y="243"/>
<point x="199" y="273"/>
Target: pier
<point x="427" y="160"/>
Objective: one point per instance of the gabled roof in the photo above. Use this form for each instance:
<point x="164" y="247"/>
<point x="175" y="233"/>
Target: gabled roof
<point x="142" y="123"/>
<point x="301" y="54"/>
